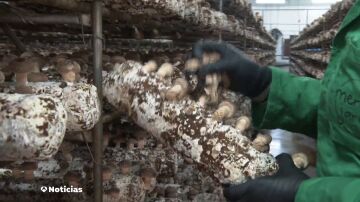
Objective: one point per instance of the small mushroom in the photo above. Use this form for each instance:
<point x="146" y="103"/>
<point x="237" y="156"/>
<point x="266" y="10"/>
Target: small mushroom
<point x="73" y="178"/>
<point x="148" y="176"/>
<point x="106" y="174"/>
<point x="243" y="123"/>
<point x="225" y="110"/>
<point x="149" y="67"/>
<point x="141" y="138"/>
<point x="301" y="161"/>
<point x="165" y="70"/>
<point x="68" y="69"/>
<point x="262" y="142"/>
<point x="125" y="167"/>
<point x="21" y="67"/>
<point x="178" y="91"/>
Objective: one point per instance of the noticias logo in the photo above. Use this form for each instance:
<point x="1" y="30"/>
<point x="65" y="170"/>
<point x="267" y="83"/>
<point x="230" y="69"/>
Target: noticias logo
<point x="61" y="189"/>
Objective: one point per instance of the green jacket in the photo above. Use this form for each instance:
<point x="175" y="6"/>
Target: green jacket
<point x="328" y="109"/>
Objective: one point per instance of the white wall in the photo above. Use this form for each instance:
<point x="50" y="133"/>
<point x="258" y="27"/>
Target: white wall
<point x="289" y="19"/>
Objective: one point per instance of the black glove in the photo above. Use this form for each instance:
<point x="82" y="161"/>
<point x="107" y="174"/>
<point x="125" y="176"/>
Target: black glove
<point x="246" y="77"/>
<point x="281" y="187"/>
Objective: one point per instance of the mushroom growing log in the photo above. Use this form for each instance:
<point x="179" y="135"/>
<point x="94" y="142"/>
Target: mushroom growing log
<point x="220" y="150"/>
<point x="32" y="127"/>
<point x="80" y="101"/>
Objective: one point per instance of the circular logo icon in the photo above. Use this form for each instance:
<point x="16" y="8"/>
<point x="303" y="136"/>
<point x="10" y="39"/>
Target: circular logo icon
<point x="43" y="189"/>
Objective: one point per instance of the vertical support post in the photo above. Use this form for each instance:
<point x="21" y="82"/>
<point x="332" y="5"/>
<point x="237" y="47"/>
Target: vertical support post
<point x="98" y="129"/>
<point x="11" y="34"/>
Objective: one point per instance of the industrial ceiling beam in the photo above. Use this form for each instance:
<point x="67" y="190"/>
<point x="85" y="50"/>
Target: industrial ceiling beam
<point x="81" y="19"/>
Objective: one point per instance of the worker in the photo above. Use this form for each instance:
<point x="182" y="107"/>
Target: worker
<point x="328" y="109"/>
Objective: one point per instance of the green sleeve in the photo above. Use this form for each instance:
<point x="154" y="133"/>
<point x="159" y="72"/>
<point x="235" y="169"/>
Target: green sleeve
<point x="329" y="189"/>
<point x="292" y="104"/>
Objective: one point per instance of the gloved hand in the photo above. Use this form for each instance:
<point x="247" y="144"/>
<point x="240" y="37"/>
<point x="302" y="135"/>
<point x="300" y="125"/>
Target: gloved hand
<point x="246" y="77"/>
<point x="281" y="187"/>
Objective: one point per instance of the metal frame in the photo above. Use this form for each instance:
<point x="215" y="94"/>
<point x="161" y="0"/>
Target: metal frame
<point x="98" y="129"/>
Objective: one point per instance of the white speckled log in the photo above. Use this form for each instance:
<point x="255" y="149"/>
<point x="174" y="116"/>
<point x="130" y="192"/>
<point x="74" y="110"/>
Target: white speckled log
<point x="220" y="150"/>
<point x="80" y="101"/>
<point x="31" y="126"/>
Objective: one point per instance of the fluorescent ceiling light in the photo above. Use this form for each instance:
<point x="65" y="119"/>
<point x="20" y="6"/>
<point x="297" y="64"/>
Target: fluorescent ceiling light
<point x="324" y="1"/>
<point x="270" y="1"/>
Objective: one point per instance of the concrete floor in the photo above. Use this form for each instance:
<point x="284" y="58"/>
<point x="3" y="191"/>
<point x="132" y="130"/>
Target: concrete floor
<point x="288" y="142"/>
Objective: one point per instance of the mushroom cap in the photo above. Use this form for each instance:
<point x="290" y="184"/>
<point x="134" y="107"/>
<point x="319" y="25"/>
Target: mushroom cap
<point x="65" y="66"/>
<point x="230" y="105"/>
<point x="184" y="84"/>
<point x="21" y="65"/>
<point x="147" y="173"/>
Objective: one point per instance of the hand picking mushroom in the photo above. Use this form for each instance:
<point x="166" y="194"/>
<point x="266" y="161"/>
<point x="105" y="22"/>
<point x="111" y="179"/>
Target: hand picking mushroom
<point x="192" y="65"/>
<point x="178" y="91"/>
<point x="226" y="110"/>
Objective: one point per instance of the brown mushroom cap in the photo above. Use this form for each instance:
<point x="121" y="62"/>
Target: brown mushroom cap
<point x="125" y="167"/>
<point x="106" y="173"/>
<point x="65" y="66"/>
<point x="21" y="65"/>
